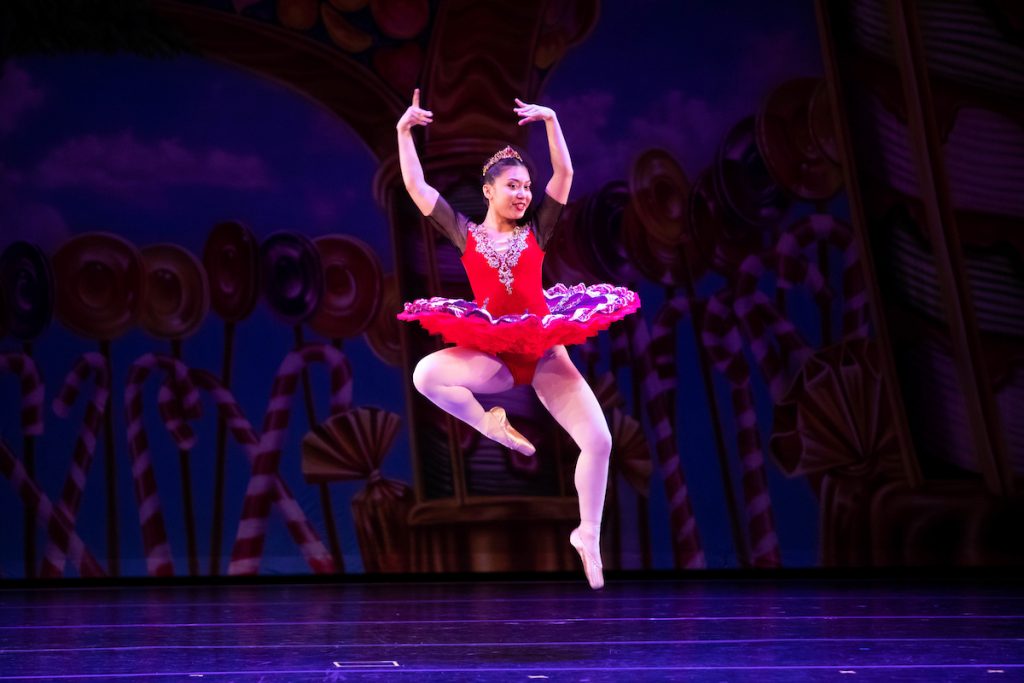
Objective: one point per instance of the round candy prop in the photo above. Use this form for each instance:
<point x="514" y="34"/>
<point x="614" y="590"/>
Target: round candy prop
<point x="231" y="259"/>
<point x="292" y="276"/>
<point x="660" y="192"/>
<point x="352" y="287"/>
<point x="748" y="192"/>
<point x="26" y="286"/>
<point x="787" y="146"/>
<point x="384" y="335"/>
<point x="99" y="285"/>
<point x="598" y="234"/>
<point x="177" y="295"/>
<point x="658" y="262"/>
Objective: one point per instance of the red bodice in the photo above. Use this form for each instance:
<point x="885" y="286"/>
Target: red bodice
<point x="527" y="294"/>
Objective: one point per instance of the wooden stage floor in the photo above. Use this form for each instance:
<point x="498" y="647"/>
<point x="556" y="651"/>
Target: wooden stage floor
<point x="659" y="629"/>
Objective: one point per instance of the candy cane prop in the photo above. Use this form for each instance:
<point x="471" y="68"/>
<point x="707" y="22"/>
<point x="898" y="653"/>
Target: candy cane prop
<point x="252" y="529"/>
<point x="299" y="526"/>
<point x="663" y="339"/>
<point x="89" y="364"/>
<point x="686" y="543"/>
<point x="46" y="516"/>
<point x="151" y="518"/>
<point x="663" y="349"/>
<point x="829" y="229"/>
<point x="758" y="317"/>
<point x="722" y="339"/>
<point x="32" y="390"/>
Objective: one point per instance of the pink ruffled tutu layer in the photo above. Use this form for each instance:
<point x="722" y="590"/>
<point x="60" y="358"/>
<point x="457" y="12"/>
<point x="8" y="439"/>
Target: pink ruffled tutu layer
<point x="576" y="313"/>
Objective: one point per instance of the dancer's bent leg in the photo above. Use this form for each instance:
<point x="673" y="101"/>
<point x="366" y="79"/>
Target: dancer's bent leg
<point x="450" y="378"/>
<point x="569" y="399"/>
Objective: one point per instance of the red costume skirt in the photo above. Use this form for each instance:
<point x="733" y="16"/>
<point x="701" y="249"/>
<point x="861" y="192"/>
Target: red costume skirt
<point x="576" y="313"/>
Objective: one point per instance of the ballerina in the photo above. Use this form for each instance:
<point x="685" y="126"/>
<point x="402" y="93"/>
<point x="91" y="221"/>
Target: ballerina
<point x="515" y="331"/>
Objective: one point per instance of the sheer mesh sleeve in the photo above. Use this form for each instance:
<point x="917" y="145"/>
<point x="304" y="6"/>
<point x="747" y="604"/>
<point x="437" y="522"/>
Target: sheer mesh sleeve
<point x="546" y="218"/>
<point x="449" y="223"/>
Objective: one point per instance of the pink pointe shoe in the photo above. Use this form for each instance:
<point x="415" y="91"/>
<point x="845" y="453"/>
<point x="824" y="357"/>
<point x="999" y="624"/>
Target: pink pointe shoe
<point x="591" y="564"/>
<point x="498" y="429"/>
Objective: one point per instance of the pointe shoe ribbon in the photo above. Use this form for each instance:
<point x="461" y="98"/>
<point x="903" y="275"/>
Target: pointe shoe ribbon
<point x="498" y="429"/>
<point x="591" y="564"/>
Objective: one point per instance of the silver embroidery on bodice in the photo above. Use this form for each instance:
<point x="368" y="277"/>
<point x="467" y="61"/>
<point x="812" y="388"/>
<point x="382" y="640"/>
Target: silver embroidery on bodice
<point x="504" y="261"/>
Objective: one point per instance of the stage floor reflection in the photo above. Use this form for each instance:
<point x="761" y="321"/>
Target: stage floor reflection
<point x="694" y="629"/>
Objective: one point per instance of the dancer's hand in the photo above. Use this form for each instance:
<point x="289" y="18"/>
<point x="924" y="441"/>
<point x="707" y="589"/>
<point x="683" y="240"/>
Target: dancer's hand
<point x="414" y="115"/>
<point x="533" y="112"/>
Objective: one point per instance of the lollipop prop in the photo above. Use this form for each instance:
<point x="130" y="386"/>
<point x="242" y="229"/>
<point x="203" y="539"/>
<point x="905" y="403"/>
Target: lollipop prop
<point x="26" y="285"/>
<point x="176" y="304"/>
<point x="231" y="260"/>
<point x="293" y="278"/>
<point x="98" y="294"/>
<point x="795" y="135"/>
<point x="681" y="218"/>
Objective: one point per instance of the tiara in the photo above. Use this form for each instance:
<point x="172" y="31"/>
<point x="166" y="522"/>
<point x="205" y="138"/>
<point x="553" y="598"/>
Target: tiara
<point x="507" y="153"/>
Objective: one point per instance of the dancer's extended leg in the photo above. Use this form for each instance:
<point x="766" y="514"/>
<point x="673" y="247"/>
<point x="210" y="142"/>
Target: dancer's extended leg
<point x="569" y="399"/>
<point x="451" y="376"/>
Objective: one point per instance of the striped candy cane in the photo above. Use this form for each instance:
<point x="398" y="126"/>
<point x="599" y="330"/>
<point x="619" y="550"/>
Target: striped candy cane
<point x="151" y="518"/>
<point x="252" y="528"/>
<point x="299" y="526"/>
<point x="686" y="543"/>
<point x="46" y="516"/>
<point x="33" y="390"/>
<point x="88" y="364"/>
<point x="758" y="318"/>
<point x="663" y="339"/>
<point x="724" y="344"/>
<point x="821" y="227"/>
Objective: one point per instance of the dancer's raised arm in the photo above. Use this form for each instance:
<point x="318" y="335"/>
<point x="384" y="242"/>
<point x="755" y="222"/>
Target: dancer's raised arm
<point x="561" y="163"/>
<point x="423" y="195"/>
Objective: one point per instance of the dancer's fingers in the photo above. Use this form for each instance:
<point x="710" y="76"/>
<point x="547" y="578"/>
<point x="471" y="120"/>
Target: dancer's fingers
<point x="416" y="98"/>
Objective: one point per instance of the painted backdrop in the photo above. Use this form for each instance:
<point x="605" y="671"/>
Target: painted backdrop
<point x="205" y="242"/>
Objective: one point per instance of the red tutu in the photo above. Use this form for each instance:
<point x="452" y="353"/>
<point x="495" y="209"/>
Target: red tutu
<point x="576" y="313"/>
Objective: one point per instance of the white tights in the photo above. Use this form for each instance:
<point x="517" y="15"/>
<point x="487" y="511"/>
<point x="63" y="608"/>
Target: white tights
<point x="452" y="376"/>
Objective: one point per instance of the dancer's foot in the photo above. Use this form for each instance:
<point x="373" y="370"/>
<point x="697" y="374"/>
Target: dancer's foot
<point x="590" y="553"/>
<point x="497" y="428"/>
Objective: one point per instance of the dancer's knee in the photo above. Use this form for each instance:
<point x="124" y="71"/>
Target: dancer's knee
<point x="599" y="441"/>
<point x="424" y="377"/>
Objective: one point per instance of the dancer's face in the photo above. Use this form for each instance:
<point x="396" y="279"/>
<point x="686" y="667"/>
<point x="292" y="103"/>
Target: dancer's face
<point x="510" y="194"/>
